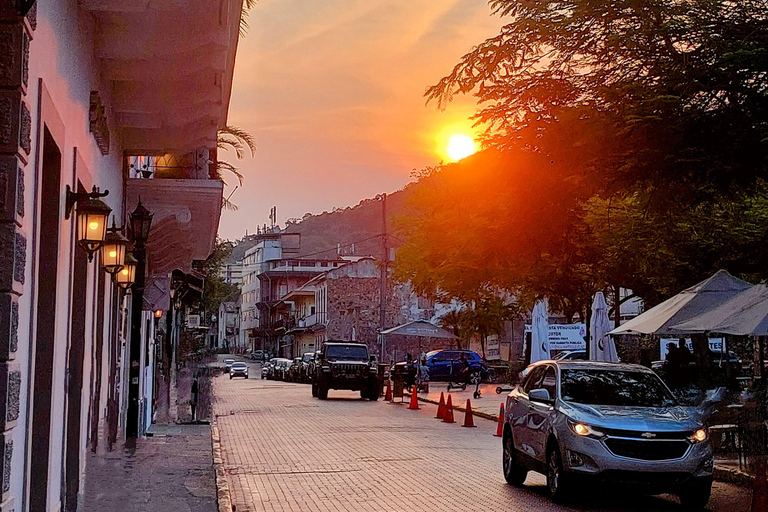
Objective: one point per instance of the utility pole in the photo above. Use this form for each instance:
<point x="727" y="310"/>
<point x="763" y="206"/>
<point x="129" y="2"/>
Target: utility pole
<point x="383" y="275"/>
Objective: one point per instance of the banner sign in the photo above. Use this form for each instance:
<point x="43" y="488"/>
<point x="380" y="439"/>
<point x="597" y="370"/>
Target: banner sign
<point x="492" y="348"/>
<point x="565" y="336"/>
<point x="716" y="345"/>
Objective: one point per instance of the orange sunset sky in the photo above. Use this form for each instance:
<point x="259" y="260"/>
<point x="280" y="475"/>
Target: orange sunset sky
<point x="332" y="90"/>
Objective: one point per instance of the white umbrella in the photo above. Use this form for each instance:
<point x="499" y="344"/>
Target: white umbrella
<point x="540" y="331"/>
<point x="601" y="346"/>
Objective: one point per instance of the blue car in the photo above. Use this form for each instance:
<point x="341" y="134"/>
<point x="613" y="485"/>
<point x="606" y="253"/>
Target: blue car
<point x="446" y="365"/>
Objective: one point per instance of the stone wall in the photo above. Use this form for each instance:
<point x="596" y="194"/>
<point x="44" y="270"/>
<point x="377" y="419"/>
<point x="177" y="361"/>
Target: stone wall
<point x="15" y="147"/>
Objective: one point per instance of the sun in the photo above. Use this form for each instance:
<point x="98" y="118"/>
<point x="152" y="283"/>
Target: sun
<point x="460" y="146"/>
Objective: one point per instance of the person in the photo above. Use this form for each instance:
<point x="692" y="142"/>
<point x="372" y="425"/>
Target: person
<point x="193" y="401"/>
<point x="463" y="368"/>
<point x="424" y="375"/>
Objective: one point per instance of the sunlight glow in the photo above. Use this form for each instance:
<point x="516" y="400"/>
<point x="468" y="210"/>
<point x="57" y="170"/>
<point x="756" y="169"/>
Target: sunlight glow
<point x="460" y="146"/>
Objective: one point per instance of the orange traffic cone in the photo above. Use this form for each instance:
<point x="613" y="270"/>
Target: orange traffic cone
<point x="759" y="490"/>
<point x="414" y="399"/>
<point x="388" y="395"/>
<point x="500" y="426"/>
<point x="441" y="407"/>
<point x="448" y="411"/>
<point x="468" y="421"/>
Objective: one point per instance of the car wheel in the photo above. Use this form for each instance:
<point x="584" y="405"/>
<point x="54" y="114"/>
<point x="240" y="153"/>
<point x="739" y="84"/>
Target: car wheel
<point x="230" y="376"/>
<point x="314" y="390"/>
<point x="373" y="391"/>
<point x="322" y="392"/>
<point x="475" y="377"/>
<point x="557" y="480"/>
<point x="696" y="495"/>
<point x="514" y="473"/>
<point x="246" y="376"/>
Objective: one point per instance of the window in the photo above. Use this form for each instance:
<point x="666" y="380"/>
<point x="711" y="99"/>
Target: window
<point x="549" y="382"/>
<point x="615" y="388"/>
<point x="532" y="382"/>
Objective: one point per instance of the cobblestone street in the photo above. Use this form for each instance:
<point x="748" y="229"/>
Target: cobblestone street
<point x="286" y="451"/>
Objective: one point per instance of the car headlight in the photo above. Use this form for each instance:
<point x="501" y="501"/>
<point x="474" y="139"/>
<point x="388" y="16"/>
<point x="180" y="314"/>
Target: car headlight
<point x="699" y="436"/>
<point x="584" y="430"/>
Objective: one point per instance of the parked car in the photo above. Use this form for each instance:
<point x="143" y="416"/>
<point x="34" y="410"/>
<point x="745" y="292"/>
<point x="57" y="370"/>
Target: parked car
<point x="446" y="365"/>
<point x="271" y="367"/>
<point x="265" y="368"/>
<point x="613" y="423"/>
<point x="228" y="363"/>
<point x="295" y="371"/>
<point x="238" y="369"/>
<point x="580" y="355"/>
<point x="282" y="366"/>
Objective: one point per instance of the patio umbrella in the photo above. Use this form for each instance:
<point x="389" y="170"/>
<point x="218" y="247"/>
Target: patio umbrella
<point x="601" y="346"/>
<point x="744" y="314"/>
<point x="540" y="331"/>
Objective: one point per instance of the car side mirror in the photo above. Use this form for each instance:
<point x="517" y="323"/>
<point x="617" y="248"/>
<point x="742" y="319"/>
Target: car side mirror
<point x="540" y="395"/>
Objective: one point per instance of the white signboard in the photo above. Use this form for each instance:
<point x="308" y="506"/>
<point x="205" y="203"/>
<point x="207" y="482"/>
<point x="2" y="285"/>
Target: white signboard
<point x="715" y="345"/>
<point x="193" y="320"/>
<point x="565" y="336"/>
<point x="492" y="348"/>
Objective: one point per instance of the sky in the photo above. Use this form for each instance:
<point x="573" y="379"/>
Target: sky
<point x="333" y="92"/>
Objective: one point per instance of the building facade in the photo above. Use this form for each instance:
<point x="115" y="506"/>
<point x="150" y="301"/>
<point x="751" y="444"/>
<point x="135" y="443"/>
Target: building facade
<point x="88" y="88"/>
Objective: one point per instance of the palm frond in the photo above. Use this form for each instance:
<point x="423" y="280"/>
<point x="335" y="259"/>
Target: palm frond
<point x="226" y="204"/>
<point x="244" y="13"/>
<point x="237" y="139"/>
<point x="228" y="167"/>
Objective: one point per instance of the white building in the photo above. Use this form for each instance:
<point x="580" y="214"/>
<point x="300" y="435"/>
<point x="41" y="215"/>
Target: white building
<point x="85" y="86"/>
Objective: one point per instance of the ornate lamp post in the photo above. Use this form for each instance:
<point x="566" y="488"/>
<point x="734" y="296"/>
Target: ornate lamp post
<point x="141" y="221"/>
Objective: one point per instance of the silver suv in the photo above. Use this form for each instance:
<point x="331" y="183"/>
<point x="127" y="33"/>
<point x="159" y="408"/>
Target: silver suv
<point x="609" y="423"/>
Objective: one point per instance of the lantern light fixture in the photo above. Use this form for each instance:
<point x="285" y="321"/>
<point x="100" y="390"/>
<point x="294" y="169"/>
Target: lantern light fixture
<point x="74" y="197"/>
<point x="127" y="275"/>
<point x="92" y="218"/>
<point x="141" y="221"/>
<point x="113" y="250"/>
<point x="158" y="313"/>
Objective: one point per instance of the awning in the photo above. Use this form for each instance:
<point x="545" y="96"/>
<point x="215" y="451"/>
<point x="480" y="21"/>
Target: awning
<point x="420" y="328"/>
<point x="689" y="303"/>
<point x="745" y="314"/>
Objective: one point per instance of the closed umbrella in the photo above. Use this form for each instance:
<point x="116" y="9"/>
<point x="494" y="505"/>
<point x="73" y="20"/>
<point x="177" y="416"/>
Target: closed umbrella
<point x="601" y="346"/>
<point x="540" y="331"/>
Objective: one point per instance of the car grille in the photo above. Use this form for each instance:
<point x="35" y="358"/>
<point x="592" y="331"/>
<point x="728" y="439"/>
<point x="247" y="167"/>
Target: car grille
<point x="651" y="478"/>
<point x="647" y="450"/>
<point x="350" y="370"/>
<point x="638" y="434"/>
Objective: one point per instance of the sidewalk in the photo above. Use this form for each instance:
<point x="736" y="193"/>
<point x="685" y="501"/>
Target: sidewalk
<point x="173" y="470"/>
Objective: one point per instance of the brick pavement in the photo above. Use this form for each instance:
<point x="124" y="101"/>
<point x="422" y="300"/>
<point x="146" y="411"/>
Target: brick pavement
<point x="171" y="471"/>
<point x="285" y="451"/>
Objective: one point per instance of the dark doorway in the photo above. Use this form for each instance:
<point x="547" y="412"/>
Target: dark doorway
<point x="45" y="341"/>
<point x="75" y="377"/>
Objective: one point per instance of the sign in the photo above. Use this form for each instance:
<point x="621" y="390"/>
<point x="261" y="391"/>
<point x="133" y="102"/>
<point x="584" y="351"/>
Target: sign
<point x="565" y="336"/>
<point x="492" y="348"/>
<point x="193" y="320"/>
<point x="716" y="345"/>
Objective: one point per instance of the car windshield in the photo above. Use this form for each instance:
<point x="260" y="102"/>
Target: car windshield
<point x="239" y="365"/>
<point x="346" y="352"/>
<point x="307" y="358"/>
<point x="614" y="387"/>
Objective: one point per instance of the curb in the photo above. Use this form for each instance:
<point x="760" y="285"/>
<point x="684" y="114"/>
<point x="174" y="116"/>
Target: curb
<point x="731" y="476"/>
<point x="223" y="497"/>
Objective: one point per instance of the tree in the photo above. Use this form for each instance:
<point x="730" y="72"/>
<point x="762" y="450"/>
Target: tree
<point x="666" y="95"/>
<point x="216" y="290"/>
<point x="244" y="14"/>
<point x="237" y="140"/>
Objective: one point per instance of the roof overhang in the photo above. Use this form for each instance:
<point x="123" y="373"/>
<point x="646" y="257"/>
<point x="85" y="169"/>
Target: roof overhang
<point x="168" y="65"/>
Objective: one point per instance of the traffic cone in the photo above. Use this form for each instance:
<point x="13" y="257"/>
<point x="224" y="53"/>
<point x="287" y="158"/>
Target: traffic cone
<point x="500" y="426"/>
<point x="448" y="411"/>
<point x="388" y="395"/>
<point x="414" y="405"/>
<point x="441" y="408"/>
<point x="759" y="488"/>
<point x="468" y="421"/>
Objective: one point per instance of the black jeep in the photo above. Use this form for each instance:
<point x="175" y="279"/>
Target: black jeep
<point x="345" y="365"/>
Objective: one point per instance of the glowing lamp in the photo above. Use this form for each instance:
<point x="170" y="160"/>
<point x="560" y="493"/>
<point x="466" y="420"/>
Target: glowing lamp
<point x="127" y="275"/>
<point x="113" y="252"/>
<point x="92" y="224"/>
<point x="158" y="313"/>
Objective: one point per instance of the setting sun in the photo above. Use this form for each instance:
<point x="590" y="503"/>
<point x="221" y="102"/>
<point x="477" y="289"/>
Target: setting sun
<point x="460" y="146"/>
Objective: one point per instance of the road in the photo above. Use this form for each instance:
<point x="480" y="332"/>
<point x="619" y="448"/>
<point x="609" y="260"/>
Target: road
<point x="287" y="451"/>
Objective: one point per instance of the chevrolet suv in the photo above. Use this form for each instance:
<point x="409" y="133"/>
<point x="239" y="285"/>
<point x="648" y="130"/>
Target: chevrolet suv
<point x="345" y="365"/>
<point x="615" y="424"/>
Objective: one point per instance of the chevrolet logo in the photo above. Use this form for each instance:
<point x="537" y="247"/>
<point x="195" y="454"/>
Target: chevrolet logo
<point x="648" y="435"/>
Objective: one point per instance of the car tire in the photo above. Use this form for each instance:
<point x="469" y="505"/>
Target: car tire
<point x="314" y="390"/>
<point x="514" y="473"/>
<point x="322" y="392"/>
<point x="246" y="376"/>
<point x="373" y="391"/>
<point x="695" y="496"/>
<point x="230" y="376"/>
<point x="557" y="479"/>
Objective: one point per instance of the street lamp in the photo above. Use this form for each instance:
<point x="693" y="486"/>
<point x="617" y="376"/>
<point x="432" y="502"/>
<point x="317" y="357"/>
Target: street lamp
<point x="113" y="250"/>
<point x="126" y="276"/>
<point x="92" y="217"/>
<point x="141" y="220"/>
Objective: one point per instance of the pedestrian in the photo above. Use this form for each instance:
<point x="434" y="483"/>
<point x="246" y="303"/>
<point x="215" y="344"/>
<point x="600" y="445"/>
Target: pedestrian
<point x="424" y="375"/>
<point x="193" y="400"/>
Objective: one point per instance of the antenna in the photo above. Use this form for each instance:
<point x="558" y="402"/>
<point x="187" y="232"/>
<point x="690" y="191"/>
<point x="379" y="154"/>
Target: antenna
<point x="273" y="216"/>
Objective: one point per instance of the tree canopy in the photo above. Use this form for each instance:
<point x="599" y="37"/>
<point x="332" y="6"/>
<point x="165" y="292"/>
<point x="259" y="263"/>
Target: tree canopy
<point x="627" y="148"/>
